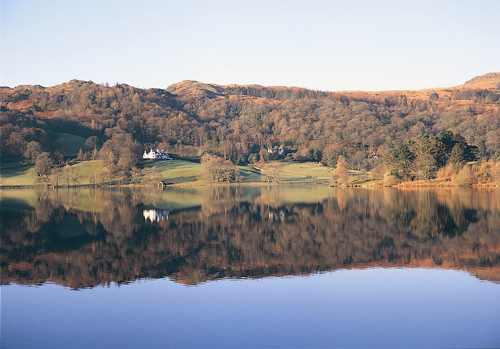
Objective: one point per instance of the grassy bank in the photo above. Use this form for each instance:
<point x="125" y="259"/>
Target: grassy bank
<point x="15" y="172"/>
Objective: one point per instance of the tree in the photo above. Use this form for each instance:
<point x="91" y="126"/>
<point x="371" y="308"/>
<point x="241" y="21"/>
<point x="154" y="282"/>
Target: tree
<point x="496" y="156"/>
<point x="58" y="157"/>
<point x="93" y="178"/>
<point x="401" y="160"/>
<point x="33" y="149"/>
<point x="271" y="171"/>
<point x="55" y="175"/>
<point x="74" y="174"/>
<point x="314" y="154"/>
<point x="216" y="169"/>
<point x="457" y="157"/>
<point x="42" y="165"/>
<point x="91" y="142"/>
<point x="125" y="162"/>
<point x="66" y="174"/>
<point x="482" y="152"/>
<point x="341" y="172"/>
<point x="95" y="154"/>
<point x="110" y="168"/>
<point x="495" y="173"/>
<point x="425" y="166"/>
<point x="81" y="155"/>
<point x="332" y="161"/>
<point x="106" y="175"/>
<point x="464" y="176"/>
<point x="211" y="167"/>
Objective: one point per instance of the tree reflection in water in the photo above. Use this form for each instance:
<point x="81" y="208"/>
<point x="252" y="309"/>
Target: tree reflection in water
<point x="84" y="238"/>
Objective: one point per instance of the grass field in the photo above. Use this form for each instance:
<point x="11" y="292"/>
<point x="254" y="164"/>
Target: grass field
<point x="86" y="168"/>
<point x="15" y="172"/>
<point x="177" y="171"/>
<point x="307" y="169"/>
<point x="180" y="171"/>
<point x="250" y="175"/>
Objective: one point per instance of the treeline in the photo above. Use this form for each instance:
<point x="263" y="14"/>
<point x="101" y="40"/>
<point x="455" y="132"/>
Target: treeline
<point x="477" y="95"/>
<point x="236" y="123"/>
<point x="425" y="154"/>
<point x="274" y="93"/>
<point x="444" y="156"/>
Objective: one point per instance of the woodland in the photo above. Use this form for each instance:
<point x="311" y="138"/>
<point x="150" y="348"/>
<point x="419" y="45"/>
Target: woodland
<point x="402" y="135"/>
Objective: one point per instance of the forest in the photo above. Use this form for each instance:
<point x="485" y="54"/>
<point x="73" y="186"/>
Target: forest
<point x="382" y="132"/>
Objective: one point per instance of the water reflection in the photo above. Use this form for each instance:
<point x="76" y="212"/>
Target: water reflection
<point x="83" y="238"/>
<point x="156" y="215"/>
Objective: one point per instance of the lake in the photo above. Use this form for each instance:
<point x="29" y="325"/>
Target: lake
<point x="250" y="266"/>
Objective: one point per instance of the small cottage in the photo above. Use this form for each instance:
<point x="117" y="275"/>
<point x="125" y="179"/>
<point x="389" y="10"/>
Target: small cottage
<point x="280" y="151"/>
<point x="156" y="155"/>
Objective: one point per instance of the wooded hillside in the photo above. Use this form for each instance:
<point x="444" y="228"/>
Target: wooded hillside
<point x="238" y="122"/>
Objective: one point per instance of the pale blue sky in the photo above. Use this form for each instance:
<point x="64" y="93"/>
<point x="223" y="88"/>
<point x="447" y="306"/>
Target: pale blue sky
<point x="324" y="45"/>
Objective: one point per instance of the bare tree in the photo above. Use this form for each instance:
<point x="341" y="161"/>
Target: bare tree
<point x="42" y="165"/>
<point x="55" y="175"/>
<point x="74" y="175"/>
<point x="271" y="171"/>
<point x="66" y="174"/>
<point x="33" y="149"/>
<point x="341" y="173"/>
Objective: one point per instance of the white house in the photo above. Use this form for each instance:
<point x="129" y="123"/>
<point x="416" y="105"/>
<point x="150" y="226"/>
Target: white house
<point x="154" y="155"/>
<point x="280" y="151"/>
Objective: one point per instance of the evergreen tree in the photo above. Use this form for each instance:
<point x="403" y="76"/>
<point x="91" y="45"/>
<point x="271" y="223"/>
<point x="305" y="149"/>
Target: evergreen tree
<point x="457" y="157"/>
<point x="401" y="160"/>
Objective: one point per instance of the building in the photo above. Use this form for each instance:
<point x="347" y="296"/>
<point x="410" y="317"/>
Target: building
<point x="155" y="155"/>
<point x="280" y="151"/>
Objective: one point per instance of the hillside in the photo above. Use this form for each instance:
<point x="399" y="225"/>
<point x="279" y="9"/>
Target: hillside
<point x="239" y="122"/>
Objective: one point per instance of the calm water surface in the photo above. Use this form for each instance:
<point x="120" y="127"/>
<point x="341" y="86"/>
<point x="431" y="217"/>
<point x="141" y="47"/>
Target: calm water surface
<point x="250" y="267"/>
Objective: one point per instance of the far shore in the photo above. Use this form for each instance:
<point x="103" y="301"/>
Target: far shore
<point x="182" y="173"/>
<point x="405" y="185"/>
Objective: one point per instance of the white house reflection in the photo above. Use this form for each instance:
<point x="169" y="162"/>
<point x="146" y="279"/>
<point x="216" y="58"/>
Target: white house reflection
<point x="156" y="215"/>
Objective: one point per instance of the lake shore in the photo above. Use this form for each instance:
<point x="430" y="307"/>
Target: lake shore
<point x="406" y="185"/>
<point x="182" y="173"/>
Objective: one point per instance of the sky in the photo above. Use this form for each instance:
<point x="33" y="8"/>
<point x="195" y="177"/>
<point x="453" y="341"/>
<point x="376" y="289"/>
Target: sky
<point x="317" y="44"/>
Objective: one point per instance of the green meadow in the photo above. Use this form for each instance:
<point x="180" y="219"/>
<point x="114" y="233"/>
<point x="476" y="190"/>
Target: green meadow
<point x="177" y="171"/>
<point x="15" y="172"/>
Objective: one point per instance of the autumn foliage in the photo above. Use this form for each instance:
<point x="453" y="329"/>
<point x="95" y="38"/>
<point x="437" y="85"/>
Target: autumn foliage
<point x="239" y="123"/>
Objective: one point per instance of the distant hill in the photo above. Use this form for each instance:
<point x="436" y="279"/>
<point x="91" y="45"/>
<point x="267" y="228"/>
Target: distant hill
<point x="237" y="122"/>
<point x="490" y="80"/>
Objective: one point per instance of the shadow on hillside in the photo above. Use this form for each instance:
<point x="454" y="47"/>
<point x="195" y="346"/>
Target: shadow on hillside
<point x="163" y="165"/>
<point x="13" y="168"/>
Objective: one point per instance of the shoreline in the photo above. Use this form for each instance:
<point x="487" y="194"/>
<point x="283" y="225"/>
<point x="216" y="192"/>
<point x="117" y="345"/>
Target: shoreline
<point x="256" y="184"/>
<point x="406" y="185"/>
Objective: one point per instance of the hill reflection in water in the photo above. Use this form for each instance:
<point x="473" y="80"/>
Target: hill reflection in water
<point x="86" y="238"/>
